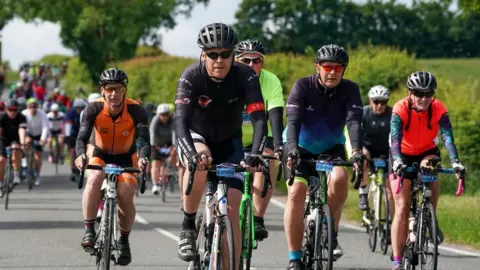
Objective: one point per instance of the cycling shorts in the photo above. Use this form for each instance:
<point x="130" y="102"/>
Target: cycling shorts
<point x="98" y="157"/>
<point x="228" y="151"/>
<point x="304" y="171"/>
<point x="3" y="146"/>
<point x="409" y="160"/>
<point x="37" y="148"/>
<point x="156" y="154"/>
<point x="54" y="132"/>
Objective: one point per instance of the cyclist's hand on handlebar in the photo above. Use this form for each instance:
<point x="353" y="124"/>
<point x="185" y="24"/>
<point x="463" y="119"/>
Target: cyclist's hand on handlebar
<point x="80" y="161"/>
<point x="203" y="161"/>
<point x="292" y="156"/>
<point x="458" y="167"/>
<point x="278" y="151"/>
<point x="42" y="142"/>
<point x="252" y="163"/>
<point x="142" y="164"/>
<point x="398" y="165"/>
<point x="358" y="159"/>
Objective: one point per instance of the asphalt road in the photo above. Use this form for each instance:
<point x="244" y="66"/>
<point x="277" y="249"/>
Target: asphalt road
<point x="43" y="228"/>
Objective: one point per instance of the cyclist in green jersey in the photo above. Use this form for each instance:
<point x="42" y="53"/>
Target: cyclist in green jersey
<point x="252" y="53"/>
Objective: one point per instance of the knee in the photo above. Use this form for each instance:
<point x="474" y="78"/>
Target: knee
<point x="297" y="192"/>
<point x="3" y="160"/>
<point x="401" y="210"/>
<point x="339" y="178"/>
<point x="95" y="180"/>
<point x="125" y="192"/>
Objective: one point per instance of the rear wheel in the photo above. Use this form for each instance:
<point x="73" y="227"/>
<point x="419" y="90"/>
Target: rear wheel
<point x="384" y="222"/>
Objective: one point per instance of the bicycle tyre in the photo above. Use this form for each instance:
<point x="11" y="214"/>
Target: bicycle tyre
<point x="200" y="227"/>
<point x="247" y="236"/>
<point x="30" y="170"/>
<point x="385" y="222"/>
<point x="320" y="261"/>
<point x="164" y="189"/>
<point x="56" y="158"/>
<point x="428" y="223"/>
<point x="107" y="240"/>
<point x="225" y="226"/>
<point x="7" y="184"/>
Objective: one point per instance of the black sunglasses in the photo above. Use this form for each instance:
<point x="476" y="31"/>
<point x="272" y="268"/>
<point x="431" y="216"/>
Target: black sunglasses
<point x="423" y="94"/>
<point x="247" y="61"/>
<point x="382" y="102"/>
<point x="224" y="55"/>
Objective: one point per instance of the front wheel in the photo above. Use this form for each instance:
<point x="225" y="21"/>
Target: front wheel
<point x="106" y="247"/>
<point x="7" y="186"/>
<point x="247" y="233"/>
<point x="384" y="222"/>
<point x="427" y="241"/>
<point x="30" y="168"/>
<point x="323" y="252"/>
<point x="225" y="250"/>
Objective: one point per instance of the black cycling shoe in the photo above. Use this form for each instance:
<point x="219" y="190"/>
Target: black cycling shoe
<point x="260" y="231"/>
<point x="363" y="202"/>
<point x="295" y="265"/>
<point x="124" y="255"/>
<point x="439" y="235"/>
<point x="88" y="242"/>
<point x="187" y="245"/>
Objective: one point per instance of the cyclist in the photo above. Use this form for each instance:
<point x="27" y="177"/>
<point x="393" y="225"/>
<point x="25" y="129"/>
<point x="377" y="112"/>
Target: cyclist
<point x="416" y="121"/>
<point x="211" y="95"/>
<point x="116" y="122"/>
<point x="55" y="121"/>
<point x="161" y="135"/>
<point x="63" y="97"/>
<point x="12" y="132"/>
<point x="376" y="129"/>
<point x="72" y="127"/>
<point x="37" y="130"/>
<point x="2" y="106"/>
<point x="252" y="53"/>
<point x="318" y="108"/>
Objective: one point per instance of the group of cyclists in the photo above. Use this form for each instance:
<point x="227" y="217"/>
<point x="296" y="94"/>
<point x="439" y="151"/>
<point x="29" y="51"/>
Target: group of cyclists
<point x="222" y="105"/>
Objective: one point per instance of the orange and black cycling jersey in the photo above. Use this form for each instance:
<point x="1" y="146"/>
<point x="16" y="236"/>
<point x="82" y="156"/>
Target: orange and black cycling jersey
<point x="118" y="135"/>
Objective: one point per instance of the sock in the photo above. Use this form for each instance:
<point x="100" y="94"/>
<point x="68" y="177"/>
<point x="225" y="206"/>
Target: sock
<point x="89" y="224"/>
<point x="295" y="255"/>
<point x="16" y="173"/>
<point x="397" y="260"/>
<point x="124" y="235"/>
<point x="189" y="221"/>
<point x="258" y="220"/>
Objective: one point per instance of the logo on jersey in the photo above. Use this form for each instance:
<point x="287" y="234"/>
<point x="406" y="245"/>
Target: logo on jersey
<point x="185" y="80"/>
<point x="233" y="99"/>
<point x="204" y="101"/>
<point x="310" y="108"/>
<point x="181" y="100"/>
<point x="186" y="91"/>
<point x="103" y="130"/>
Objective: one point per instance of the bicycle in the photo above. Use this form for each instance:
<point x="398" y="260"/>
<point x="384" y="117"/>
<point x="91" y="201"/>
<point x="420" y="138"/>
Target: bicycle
<point x="107" y="236"/>
<point x="56" y="154"/>
<point x="170" y="180"/>
<point x="318" y="230"/>
<point x="8" y="186"/>
<point x="422" y="226"/>
<point x="377" y="219"/>
<point x="214" y="223"/>
<point x="31" y="163"/>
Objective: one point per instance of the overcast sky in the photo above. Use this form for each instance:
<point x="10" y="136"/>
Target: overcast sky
<point x="29" y="41"/>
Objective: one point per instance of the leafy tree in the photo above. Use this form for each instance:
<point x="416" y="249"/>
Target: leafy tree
<point x="100" y="31"/>
<point x="469" y="5"/>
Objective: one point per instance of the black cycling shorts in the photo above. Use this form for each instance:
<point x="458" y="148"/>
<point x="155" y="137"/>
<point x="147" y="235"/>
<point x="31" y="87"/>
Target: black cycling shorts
<point x="156" y="154"/>
<point x="3" y="146"/>
<point x="37" y="148"/>
<point x="305" y="171"/>
<point x="409" y="160"/>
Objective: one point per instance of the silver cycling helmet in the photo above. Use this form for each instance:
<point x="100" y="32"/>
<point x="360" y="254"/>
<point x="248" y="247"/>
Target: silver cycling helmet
<point x="379" y="92"/>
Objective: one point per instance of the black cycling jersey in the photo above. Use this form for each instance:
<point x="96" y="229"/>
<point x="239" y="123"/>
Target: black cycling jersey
<point x="214" y="109"/>
<point x="10" y="127"/>
<point x="376" y="129"/>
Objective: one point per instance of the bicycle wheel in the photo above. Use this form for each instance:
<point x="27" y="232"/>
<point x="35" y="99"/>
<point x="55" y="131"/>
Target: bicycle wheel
<point x="164" y="188"/>
<point x="247" y="236"/>
<point x="106" y="247"/>
<point x="427" y="241"/>
<point x="224" y="228"/>
<point x="323" y="251"/>
<point x="374" y="194"/>
<point x="30" y="169"/>
<point x="198" y="263"/>
<point x="384" y="222"/>
<point x="56" y="157"/>
<point x="7" y="184"/>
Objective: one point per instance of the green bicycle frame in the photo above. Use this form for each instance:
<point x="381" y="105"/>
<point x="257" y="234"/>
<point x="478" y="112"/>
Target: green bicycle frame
<point x="247" y="198"/>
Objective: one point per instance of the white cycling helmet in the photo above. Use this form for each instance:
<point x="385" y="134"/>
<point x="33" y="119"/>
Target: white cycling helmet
<point x="56" y="90"/>
<point x="379" y="92"/>
<point x="92" y="97"/>
<point x="163" y="108"/>
<point x="54" y="107"/>
<point x="78" y="103"/>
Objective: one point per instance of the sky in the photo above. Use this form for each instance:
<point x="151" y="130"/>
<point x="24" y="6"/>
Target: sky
<point x="23" y="42"/>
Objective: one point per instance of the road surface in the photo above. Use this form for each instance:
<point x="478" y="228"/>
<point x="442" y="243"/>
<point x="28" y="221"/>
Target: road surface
<point x="43" y="228"/>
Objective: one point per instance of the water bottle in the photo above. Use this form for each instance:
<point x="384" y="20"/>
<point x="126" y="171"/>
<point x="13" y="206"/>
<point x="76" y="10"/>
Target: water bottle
<point x="411" y="233"/>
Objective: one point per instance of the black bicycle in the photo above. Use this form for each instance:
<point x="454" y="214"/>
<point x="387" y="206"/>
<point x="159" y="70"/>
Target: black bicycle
<point x="31" y="164"/>
<point x="422" y="242"/>
<point x="107" y="235"/>
<point x="8" y="186"/>
<point x="317" y="246"/>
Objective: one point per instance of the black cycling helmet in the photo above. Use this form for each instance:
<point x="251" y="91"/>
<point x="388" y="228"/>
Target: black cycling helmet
<point x="11" y="103"/>
<point x="332" y="53"/>
<point x="114" y="75"/>
<point x="421" y="81"/>
<point x="249" y="46"/>
<point x="216" y="36"/>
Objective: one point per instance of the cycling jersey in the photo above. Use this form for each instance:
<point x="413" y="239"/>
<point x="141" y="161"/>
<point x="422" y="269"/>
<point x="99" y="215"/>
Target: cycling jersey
<point x="114" y="137"/>
<point x="421" y="135"/>
<point x="10" y="127"/>
<point x="37" y="125"/>
<point x="376" y="130"/>
<point x="160" y="134"/>
<point x="214" y="110"/>
<point x="316" y="121"/>
<point x="55" y="121"/>
<point x="273" y="97"/>
<point x="72" y="123"/>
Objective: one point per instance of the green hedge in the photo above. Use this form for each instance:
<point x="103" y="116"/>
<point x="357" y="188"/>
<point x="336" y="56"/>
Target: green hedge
<point x="53" y="59"/>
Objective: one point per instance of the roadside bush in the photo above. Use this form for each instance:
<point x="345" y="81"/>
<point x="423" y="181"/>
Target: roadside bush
<point x="53" y="59"/>
<point x="145" y="50"/>
<point x="77" y="75"/>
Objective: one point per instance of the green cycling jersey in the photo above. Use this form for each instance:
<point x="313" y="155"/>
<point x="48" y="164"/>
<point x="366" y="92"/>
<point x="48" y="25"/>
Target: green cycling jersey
<point x="273" y="98"/>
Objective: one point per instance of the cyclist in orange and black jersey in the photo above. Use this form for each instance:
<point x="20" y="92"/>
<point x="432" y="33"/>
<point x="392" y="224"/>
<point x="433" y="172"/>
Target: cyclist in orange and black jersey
<point x="119" y="124"/>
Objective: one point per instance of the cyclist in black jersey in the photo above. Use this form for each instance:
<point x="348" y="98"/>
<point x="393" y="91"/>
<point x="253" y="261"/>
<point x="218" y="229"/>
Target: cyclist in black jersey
<point x="376" y="129"/>
<point x="211" y="96"/>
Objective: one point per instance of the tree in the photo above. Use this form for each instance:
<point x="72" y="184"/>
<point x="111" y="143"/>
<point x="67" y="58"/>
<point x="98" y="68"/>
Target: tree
<point x="100" y="31"/>
<point x="469" y="5"/>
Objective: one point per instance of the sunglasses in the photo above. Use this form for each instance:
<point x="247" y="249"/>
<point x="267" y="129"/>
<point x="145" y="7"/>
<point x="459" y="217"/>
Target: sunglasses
<point x="223" y="55"/>
<point x="255" y="61"/>
<point x="118" y="89"/>
<point x="164" y="114"/>
<point x="32" y="106"/>
<point x="424" y="94"/>
<point x="329" y="68"/>
<point x="381" y="102"/>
